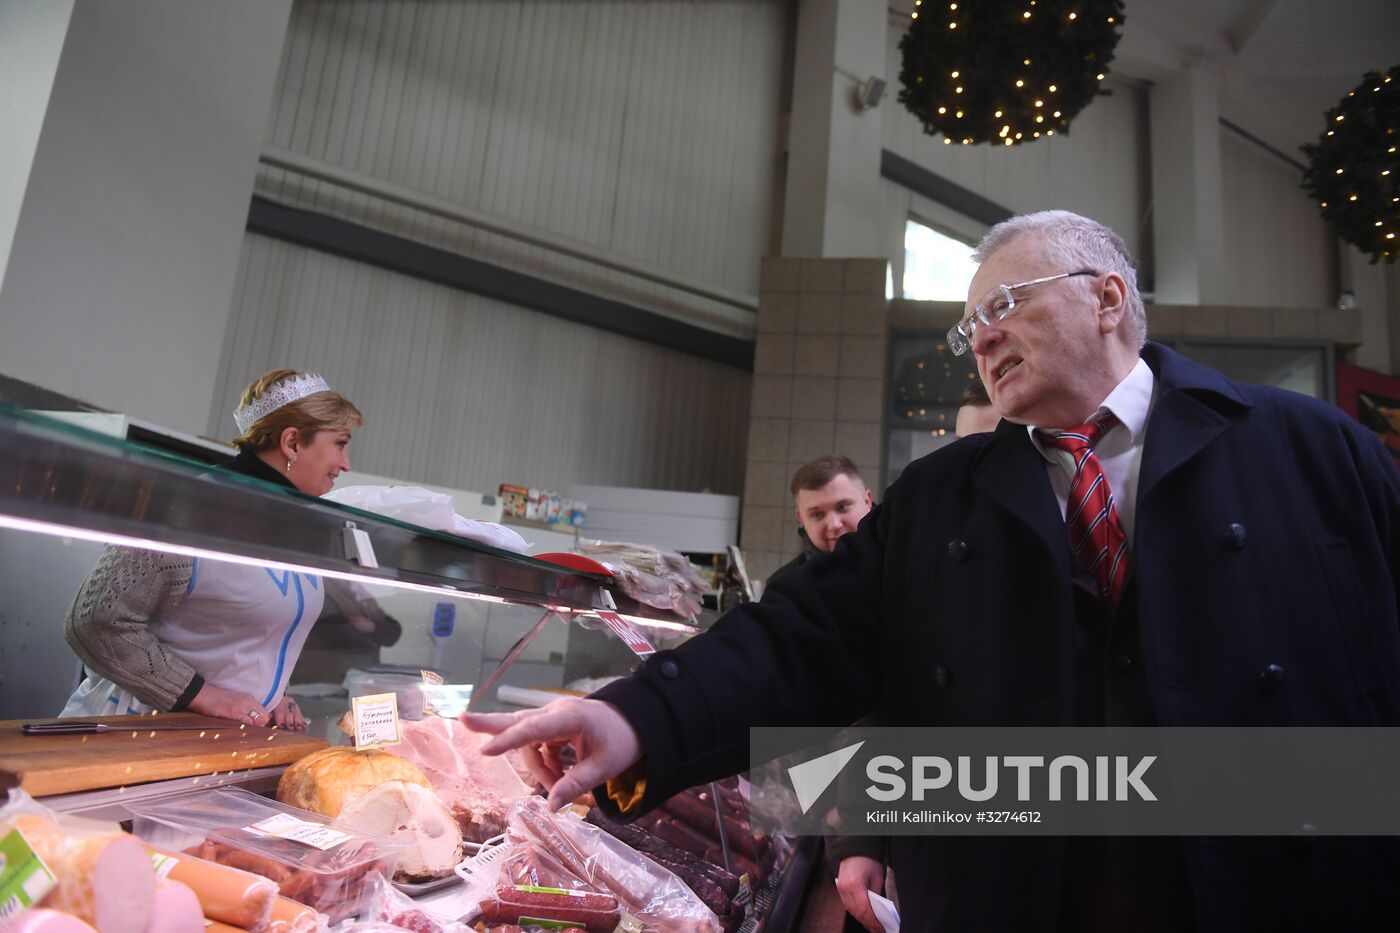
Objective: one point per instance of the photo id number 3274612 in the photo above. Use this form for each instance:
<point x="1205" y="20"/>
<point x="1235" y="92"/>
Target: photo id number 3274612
<point x="1008" y="816"/>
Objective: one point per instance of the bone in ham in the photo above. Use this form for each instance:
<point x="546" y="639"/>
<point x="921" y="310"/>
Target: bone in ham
<point x="418" y="817"/>
<point x="477" y="788"/>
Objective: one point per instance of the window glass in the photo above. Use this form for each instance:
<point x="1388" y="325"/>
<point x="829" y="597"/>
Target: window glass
<point x="937" y="267"/>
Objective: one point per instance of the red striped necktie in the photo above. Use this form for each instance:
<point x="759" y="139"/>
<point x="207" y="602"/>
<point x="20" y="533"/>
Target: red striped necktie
<point x="1095" y="535"/>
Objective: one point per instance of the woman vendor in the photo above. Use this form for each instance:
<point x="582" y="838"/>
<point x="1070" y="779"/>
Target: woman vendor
<point x="158" y="631"/>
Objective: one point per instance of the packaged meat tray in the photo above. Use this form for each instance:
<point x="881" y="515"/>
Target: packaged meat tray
<point x="316" y="861"/>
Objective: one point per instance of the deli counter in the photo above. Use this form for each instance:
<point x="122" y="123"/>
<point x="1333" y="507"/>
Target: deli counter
<point x="499" y="630"/>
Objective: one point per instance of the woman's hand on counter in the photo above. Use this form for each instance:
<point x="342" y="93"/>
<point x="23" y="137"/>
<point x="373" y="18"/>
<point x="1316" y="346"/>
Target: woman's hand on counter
<point x="288" y="715"/>
<point x="229" y="704"/>
<point x="604" y="740"/>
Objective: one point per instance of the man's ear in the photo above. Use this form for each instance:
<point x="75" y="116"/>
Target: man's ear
<point x="1113" y="302"/>
<point x="289" y="442"/>
<point x="869" y="499"/>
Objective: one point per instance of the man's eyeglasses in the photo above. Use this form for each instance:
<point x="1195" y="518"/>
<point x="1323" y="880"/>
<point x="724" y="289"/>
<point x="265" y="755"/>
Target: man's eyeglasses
<point x="999" y="303"/>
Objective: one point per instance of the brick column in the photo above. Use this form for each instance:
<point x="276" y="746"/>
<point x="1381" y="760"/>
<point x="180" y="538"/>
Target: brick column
<point x="818" y="388"/>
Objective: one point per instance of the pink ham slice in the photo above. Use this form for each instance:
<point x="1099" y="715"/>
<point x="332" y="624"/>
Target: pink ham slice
<point x="105" y="879"/>
<point x="176" y="910"/>
<point x="477" y="788"/>
<point x="43" y="920"/>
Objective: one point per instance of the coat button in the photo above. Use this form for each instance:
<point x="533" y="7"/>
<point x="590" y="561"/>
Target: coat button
<point x="1235" y="535"/>
<point x="1270" y="678"/>
<point x="1123" y="662"/>
<point x="670" y="669"/>
<point x="957" y="551"/>
<point x="942" y="676"/>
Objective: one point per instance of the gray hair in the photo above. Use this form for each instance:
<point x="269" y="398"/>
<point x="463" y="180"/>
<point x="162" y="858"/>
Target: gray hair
<point x="1075" y="242"/>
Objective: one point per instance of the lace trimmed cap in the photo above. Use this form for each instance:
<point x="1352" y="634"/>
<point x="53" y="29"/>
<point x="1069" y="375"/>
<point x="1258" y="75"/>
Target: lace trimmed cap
<point x="291" y="389"/>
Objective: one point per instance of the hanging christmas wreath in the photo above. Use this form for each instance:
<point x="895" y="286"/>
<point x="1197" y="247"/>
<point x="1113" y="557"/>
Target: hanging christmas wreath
<point x="1005" y="72"/>
<point x="1353" y="171"/>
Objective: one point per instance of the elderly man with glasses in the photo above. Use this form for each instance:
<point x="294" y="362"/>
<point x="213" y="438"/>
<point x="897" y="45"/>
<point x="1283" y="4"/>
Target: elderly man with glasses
<point x="1140" y="542"/>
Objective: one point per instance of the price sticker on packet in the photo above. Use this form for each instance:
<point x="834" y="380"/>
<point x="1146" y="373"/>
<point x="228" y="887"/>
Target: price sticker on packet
<point x="627" y="632"/>
<point x="431" y="680"/>
<point x="24" y="878"/>
<point x="376" y="720"/>
<point x="286" y="826"/>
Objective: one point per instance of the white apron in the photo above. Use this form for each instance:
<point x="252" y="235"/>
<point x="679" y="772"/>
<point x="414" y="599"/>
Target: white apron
<point x="241" y="627"/>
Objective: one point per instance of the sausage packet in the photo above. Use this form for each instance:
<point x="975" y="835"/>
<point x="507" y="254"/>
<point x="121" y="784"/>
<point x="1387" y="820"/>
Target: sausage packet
<point x="87" y="868"/>
<point x="316" y="861"/>
<point x="386" y="904"/>
<point x="558" y="862"/>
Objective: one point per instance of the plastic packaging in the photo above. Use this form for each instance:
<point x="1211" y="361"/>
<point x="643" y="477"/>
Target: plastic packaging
<point x="560" y="852"/>
<point x="385" y="904"/>
<point x="103" y="876"/>
<point x="405" y="683"/>
<point x="316" y="861"/>
<point x="436" y="510"/>
<point x="655" y="576"/>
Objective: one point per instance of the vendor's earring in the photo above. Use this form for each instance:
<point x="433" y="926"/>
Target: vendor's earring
<point x="290" y="462"/>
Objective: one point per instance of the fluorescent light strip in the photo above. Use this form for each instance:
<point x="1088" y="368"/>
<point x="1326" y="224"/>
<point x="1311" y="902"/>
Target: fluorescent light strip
<point x="104" y="537"/>
<point x="445" y="589"/>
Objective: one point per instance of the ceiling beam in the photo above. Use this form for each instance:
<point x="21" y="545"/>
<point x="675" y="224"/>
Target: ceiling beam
<point x="1246" y="23"/>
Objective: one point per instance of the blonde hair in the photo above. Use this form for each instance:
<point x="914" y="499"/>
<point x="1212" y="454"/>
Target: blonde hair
<point x="322" y="411"/>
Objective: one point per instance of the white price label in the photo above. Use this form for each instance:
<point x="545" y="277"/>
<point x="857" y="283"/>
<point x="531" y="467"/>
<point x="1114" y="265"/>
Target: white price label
<point x="164" y="864"/>
<point x="376" y="720"/>
<point x="286" y="826"/>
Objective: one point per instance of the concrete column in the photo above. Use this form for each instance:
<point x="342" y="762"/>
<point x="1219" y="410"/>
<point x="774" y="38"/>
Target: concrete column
<point x="120" y="272"/>
<point x="831" y="205"/>
<point x="818" y="388"/>
<point x="1187" y="213"/>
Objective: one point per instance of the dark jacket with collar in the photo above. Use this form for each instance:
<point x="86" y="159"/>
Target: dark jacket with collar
<point x="809" y="551"/>
<point x="963" y="569"/>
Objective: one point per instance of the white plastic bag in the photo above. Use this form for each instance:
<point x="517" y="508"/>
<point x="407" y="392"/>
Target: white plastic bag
<point x="434" y="510"/>
<point x="406" y="503"/>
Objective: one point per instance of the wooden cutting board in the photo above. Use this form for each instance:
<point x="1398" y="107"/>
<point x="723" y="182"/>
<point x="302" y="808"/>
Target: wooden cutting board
<point x="63" y="764"/>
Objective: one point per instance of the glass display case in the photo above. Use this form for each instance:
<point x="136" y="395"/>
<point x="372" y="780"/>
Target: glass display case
<point x="500" y="629"/>
<point x="458" y="607"/>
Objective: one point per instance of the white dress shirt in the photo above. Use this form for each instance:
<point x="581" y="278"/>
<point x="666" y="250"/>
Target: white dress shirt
<point x="1119" y="451"/>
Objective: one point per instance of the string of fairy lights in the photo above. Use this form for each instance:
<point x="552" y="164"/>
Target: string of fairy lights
<point x="1005" y="73"/>
<point x="927" y="386"/>
<point x="1353" y="169"/>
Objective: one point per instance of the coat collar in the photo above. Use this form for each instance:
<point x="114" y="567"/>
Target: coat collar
<point x="1012" y="471"/>
<point x="249" y="464"/>
<point x="1192" y="408"/>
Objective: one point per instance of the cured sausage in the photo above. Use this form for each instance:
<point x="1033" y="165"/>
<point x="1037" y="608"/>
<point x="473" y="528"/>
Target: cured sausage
<point x="229" y="895"/>
<point x="597" y="913"/>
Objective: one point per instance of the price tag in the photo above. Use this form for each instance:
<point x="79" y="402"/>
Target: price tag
<point x="431" y="679"/>
<point x="286" y="826"/>
<point x="163" y="864"/>
<point x="627" y="632"/>
<point x="24" y="878"/>
<point x="376" y="720"/>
